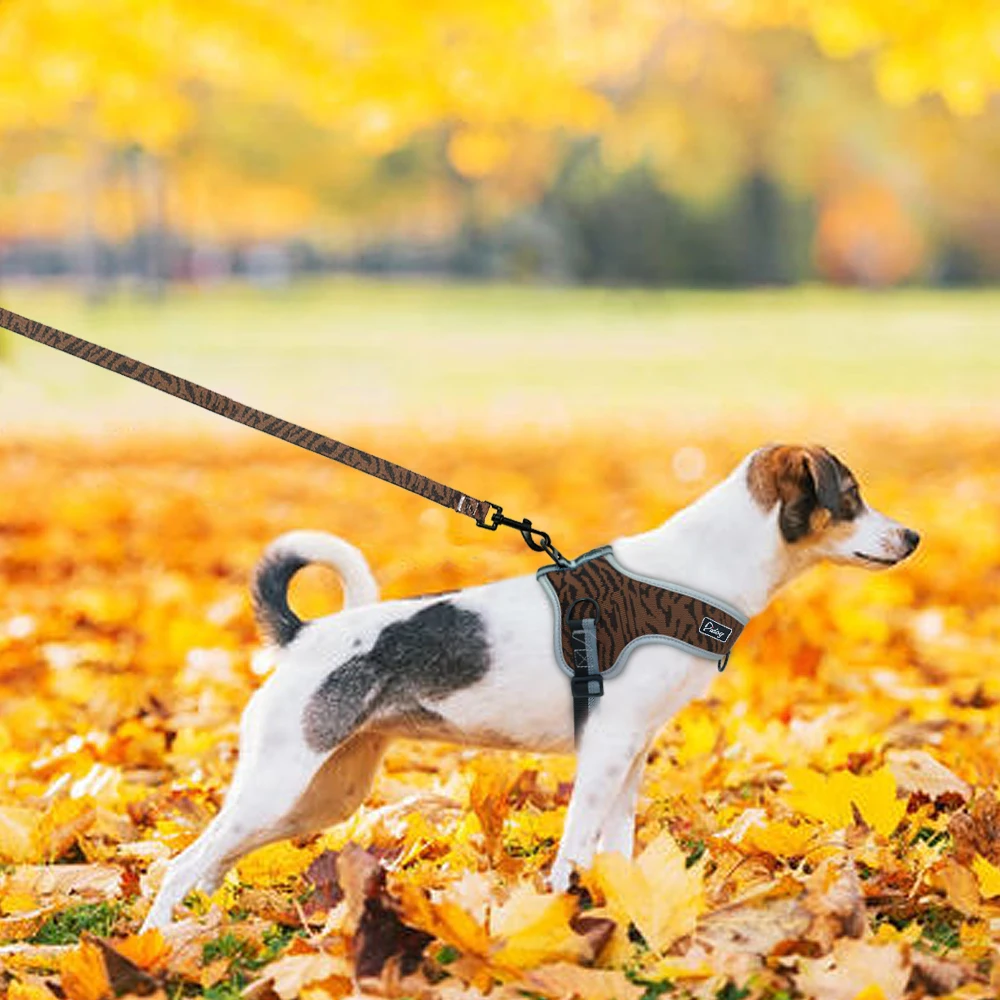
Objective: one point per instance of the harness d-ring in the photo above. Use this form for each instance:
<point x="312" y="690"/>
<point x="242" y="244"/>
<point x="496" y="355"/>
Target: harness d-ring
<point x="583" y="600"/>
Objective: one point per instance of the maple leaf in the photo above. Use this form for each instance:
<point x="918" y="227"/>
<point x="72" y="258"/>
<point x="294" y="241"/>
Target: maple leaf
<point x="657" y="892"/>
<point x="123" y="973"/>
<point x="563" y="980"/>
<point x="855" y="969"/>
<point x="290" y="975"/>
<point x="533" y="928"/>
<point x="83" y="974"/>
<point x="830" y="797"/>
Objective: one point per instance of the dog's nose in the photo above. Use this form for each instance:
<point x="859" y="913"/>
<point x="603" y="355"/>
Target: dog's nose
<point x="912" y="540"/>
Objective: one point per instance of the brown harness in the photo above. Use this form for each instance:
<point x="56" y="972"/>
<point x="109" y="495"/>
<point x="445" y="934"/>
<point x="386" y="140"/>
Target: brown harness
<point x="601" y="609"/>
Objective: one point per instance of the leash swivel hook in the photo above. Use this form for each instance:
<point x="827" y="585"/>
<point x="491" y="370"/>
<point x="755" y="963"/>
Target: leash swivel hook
<point x="536" y="539"/>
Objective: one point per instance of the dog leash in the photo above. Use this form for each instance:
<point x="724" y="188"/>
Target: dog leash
<point x="627" y="609"/>
<point x="486" y="514"/>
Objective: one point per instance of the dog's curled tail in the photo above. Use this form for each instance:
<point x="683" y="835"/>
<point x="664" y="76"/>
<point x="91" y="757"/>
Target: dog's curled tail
<point x="284" y="557"/>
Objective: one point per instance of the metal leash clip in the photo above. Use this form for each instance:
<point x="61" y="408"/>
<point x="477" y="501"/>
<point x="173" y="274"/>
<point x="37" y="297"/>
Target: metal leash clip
<point x="541" y="543"/>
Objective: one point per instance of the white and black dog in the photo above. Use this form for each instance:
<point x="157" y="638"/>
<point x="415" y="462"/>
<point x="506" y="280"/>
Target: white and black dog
<point x="478" y="666"/>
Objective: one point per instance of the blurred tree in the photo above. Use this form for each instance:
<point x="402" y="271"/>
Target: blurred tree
<point x="337" y="120"/>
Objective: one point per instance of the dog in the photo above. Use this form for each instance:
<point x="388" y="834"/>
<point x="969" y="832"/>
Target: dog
<point x="478" y="666"/>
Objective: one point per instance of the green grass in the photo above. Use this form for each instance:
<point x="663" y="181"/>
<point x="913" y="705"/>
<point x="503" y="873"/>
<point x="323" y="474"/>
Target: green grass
<point x="67" y="926"/>
<point x="360" y="352"/>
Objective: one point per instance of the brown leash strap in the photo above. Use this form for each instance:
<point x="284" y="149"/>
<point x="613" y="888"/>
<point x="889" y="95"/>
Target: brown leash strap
<point x="207" y="399"/>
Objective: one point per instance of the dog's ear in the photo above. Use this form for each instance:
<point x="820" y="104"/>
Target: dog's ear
<point x="809" y="486"/>
<point x="805" y="481"/>
<point x="825" y="475"/>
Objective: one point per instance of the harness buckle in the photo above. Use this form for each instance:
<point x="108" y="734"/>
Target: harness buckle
<point x="587" y="685"/>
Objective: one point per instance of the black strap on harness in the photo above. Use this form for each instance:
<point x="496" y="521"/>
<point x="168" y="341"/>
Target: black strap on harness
<point x="586" y="683"/>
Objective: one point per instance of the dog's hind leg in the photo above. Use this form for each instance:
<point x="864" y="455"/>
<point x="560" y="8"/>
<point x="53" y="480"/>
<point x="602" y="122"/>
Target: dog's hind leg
<point x="271" y="798"/>
<point x="274" y="770"/>
<point x="340" y="785"/>
<point x="256" y="812"/>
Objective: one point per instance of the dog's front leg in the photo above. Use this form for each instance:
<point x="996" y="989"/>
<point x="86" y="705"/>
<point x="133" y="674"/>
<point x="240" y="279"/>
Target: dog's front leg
<point x="618" y="831"/>
<point x="606" y="758"/>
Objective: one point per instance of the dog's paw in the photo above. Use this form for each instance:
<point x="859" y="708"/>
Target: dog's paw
<point x="560" y="877"/>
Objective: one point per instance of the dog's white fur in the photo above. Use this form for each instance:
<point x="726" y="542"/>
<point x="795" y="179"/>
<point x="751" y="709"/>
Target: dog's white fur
<point x="725" y="544"/>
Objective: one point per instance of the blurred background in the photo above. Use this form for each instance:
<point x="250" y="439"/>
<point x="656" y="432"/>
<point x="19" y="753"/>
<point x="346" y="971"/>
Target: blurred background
<point x="377" y="211"/>
<point x="634" y="142"/>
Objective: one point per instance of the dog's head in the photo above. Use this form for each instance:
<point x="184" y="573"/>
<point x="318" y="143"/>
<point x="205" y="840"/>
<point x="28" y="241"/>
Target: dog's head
<point x="820" y="511"/>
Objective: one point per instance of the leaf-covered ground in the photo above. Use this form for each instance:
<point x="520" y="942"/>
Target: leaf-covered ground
<point x="825" y="825"/>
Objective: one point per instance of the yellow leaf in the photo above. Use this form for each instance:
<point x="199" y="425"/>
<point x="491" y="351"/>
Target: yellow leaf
<point x="148" y="950"/>
<point x="564" y="979"/>
<point x="657" y="892"/>
<point x="829" y="797"/>
<point x="17" y="902"/>
<point x="781" y="839"/>
<point x="875" y="796"/>
<point x="871" y="992"/>
<point x="29" y="991"/>
<point x="699" y="735"/>
<point x="987" y="875"/>
<point x="17" y="834"/>
<point x="812" y="795"/>
<point x="534" y="929"/>
<point x="447" y="921"/>
<point x="83" y="974"/>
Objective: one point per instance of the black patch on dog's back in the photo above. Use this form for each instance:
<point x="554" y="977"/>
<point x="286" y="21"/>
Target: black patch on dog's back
<point x="440" y="649"/>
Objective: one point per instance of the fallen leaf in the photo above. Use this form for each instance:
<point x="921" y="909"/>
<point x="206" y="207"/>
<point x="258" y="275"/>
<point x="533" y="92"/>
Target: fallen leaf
<point x="830" y="798"/>
<point x="918" y="771"/>
<point x="83" y="974"/>
<point x="533" y="928"/>
<point x="976" y="829"/>
<point x="658" y="893"/>
<point x="565" y="981"/>
<point x="17" y="834"/>
<point x="20" y="990"/>
<point x="987" y="875"/>
<point x="855" y="969"/>
<point x="291" y="974"/>
<point x="960" y="885"/>
<point x="835" y="903"/>
<point x="124" y="975"/>
<point x="95" y="881"/>
<point x="360" y="876"/>
<point x="937" y="976"/>
<point x="321" y="876"/>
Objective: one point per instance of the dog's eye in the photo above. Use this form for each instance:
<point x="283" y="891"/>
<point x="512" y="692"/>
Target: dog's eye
<point x="852" y="501"/>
